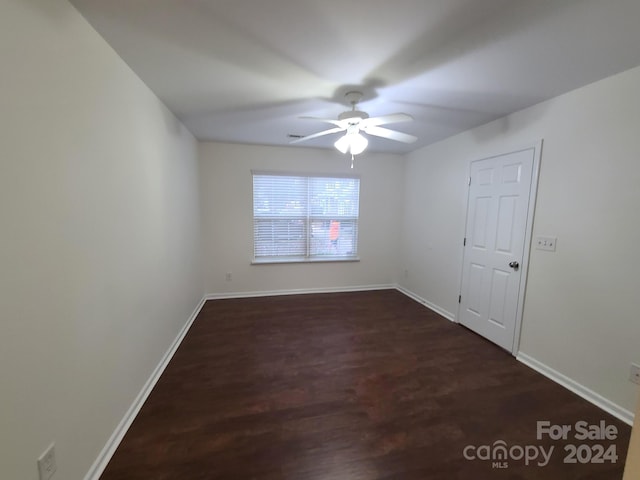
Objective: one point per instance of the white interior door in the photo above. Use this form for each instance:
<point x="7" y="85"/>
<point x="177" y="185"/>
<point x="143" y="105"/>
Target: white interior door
<point x="496" y="231"/>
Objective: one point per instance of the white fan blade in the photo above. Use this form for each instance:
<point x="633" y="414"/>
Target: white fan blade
<point x="333" y="121"/>
<point x="385" y="119"/>
<point x="319" y="134"/>
<point x="390" y="134"/>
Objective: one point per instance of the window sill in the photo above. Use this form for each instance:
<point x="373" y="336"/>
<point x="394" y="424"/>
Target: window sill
<point x="276" y="260"/>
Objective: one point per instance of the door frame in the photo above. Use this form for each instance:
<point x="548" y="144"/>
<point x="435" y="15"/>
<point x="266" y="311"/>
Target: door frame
<point x="528" y="235"/>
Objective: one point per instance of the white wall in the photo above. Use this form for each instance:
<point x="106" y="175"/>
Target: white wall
<point x="99" y="237"/>
<point x="227" y="218"/>
<point x="580" y="315"/>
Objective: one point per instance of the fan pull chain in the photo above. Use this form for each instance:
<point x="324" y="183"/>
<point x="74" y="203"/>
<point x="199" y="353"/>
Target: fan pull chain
<point x="352" y="160"/>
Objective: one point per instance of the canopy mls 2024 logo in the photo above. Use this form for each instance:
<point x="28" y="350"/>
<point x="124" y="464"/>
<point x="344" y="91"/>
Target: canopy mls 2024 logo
<point x="500" y="453"/>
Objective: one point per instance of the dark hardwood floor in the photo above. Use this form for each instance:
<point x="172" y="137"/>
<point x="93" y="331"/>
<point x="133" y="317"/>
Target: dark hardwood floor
<point x="348" y="386"/>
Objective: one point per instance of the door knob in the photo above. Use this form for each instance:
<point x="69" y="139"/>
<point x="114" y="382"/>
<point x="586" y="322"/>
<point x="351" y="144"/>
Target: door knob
<point x="515" y="265"/>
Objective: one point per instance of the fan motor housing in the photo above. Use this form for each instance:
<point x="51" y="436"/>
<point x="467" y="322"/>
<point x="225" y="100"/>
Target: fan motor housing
<point x="353" y="114"/>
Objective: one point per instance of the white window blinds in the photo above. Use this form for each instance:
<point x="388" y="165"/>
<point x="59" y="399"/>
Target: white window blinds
<point x="304" y="218"/>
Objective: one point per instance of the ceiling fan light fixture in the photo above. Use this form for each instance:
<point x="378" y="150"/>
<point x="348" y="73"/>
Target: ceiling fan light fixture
<point x="343" y="144"/>
<point x="358" y="144"/>
<point x="354" y="143"/>
<point x="355" y="121"/>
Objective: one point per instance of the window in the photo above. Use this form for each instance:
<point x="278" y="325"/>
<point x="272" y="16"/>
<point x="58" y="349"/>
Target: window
<point x="307" y="218"/>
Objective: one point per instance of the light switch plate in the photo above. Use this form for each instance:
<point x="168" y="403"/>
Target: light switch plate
<point x="47" y="463"/>
<point x="546" y="243"/>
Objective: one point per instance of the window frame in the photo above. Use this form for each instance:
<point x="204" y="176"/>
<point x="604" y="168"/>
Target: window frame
<point x="308" y="219"/>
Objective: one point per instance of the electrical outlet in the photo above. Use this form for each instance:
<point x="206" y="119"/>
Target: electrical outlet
<point x="546" y="243"/>
<point x="227" y="277"/>
<point x="47" y="463"/>
<point x="634" y="373"/>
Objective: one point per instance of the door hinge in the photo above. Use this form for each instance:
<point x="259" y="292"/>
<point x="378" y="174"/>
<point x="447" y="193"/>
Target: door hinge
<point x="464" y="242"/>
<point x="459" y="298"/>
<point x="469" y="181"/>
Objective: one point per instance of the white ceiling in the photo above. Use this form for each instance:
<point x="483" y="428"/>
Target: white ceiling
<point x="245" y="70"/>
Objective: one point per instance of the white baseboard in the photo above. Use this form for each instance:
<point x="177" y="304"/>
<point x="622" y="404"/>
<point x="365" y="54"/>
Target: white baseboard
<point x="440" y="311"/>
<point x="116" y="437"/>
<point x="584" y="392"/>
<point x="298" y="291"/>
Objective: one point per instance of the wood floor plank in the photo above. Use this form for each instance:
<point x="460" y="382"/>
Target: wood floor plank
<point x="364" y="385"/>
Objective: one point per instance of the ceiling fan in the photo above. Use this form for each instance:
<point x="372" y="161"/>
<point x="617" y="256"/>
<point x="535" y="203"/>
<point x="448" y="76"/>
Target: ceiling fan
<point x="355" y="122"/>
